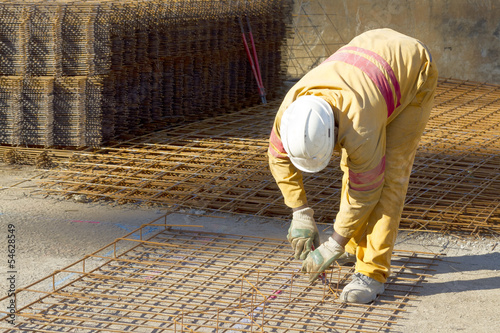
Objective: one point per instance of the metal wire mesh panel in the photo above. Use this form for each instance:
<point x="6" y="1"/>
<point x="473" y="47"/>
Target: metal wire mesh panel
<point x="457" y="168"/>
<point x="13" y="27"/>
<point x="157" y="62"/>
<point x="315" y="36"/>
<point x="10" y="108"/>
<point x="181" y="280"/>
<point x="35" y="126"/>
<point x="221" y="163"/>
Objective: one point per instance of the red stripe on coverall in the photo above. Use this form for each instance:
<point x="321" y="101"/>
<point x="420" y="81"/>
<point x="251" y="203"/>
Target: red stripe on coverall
<point x="384" y="64"/>
<point x="372" y="71"/>
<point x="358" y="179"/>
<point x="276" y="146"/>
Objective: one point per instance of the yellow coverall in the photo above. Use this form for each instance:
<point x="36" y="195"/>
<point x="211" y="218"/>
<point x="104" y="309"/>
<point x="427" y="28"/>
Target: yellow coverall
<point x="381" y="88"/>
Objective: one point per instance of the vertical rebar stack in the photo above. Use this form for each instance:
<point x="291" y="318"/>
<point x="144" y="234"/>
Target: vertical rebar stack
<point x="79" y="73"/>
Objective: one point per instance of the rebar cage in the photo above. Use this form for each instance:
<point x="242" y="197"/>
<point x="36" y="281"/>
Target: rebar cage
<point x="177" y="278"/>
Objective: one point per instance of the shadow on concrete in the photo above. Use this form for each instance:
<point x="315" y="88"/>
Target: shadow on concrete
<point x="464" y="273"/>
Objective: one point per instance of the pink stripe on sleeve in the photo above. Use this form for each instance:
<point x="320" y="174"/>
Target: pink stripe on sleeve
<point x="276" y="146"/>
<point x="273" y="152"/>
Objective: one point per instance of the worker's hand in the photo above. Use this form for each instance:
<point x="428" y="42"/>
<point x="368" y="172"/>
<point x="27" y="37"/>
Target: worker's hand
<point x="321" y="258"/>
<point x="303" y="233"/>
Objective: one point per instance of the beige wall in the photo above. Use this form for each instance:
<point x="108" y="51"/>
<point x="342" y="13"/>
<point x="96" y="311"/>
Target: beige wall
<point x="463" y="35"/>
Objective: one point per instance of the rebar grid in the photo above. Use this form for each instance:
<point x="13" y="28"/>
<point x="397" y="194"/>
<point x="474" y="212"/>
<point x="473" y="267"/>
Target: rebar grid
<point x="184" y="280"/>
<point x="221" y="164"/>
<point x="456" y="175"/>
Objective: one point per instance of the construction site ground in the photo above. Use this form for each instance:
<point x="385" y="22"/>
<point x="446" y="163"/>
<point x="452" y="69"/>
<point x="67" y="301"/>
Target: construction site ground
<point x="461" y="295"/>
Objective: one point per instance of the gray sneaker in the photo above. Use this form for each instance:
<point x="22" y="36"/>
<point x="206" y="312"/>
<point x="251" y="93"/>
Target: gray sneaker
<point x="346" y="259"/>
<point x="362" y="289"/>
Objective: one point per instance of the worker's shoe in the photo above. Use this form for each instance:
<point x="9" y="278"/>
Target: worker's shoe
<point x="362" y="289"/>
<point x="346" y="259"/>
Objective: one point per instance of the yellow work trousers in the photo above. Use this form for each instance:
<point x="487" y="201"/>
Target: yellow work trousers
<point x="373" y="243"/>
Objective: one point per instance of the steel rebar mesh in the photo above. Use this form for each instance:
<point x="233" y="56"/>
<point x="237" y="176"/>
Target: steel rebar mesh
<point x="457" y="171"/>
<point x="221" y="163"/>
<point x="317" y="34"/>
<point x="164" y="278"/>
<point x="141" y="64"/>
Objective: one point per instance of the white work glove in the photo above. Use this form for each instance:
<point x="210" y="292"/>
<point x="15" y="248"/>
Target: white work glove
<point x="303" y="233"/>
<point x="321" y="258"/>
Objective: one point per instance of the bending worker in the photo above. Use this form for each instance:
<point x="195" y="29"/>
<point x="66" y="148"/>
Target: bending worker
<point x="370" y="101"/>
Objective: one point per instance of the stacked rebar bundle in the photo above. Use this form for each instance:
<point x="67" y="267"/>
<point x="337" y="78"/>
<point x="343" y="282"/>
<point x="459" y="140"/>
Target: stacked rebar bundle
<point x="78" y="73"/>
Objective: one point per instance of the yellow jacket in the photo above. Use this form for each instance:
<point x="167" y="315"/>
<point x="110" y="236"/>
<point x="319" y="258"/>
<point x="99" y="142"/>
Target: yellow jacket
<point x="367" y="82"/>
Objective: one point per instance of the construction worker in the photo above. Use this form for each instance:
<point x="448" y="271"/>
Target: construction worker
<point x="370" y="101"/>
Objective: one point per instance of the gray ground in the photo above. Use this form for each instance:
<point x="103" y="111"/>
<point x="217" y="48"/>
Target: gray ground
<point x="462" y="295"/>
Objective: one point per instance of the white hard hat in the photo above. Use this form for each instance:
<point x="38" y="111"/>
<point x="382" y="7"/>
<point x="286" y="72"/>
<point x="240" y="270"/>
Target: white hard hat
<point x="308" y="133"/>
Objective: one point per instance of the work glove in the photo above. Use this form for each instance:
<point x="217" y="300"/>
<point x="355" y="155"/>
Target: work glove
<point x="320" y="259"/>
<point x="303" y="233"/>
